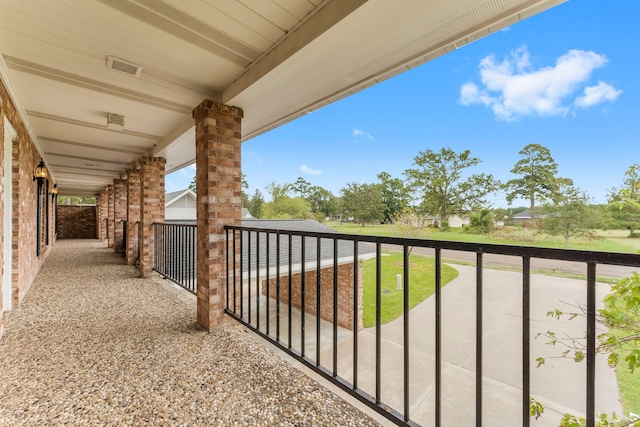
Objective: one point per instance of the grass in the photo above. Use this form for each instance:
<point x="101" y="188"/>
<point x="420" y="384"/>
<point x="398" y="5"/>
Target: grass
<point x="506" y="236"/>
<point x="629" y="384"/>
<point x="421" y="285"/>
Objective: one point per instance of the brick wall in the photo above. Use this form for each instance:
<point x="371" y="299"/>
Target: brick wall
<point x="25" y="262"/>
<point x="345" y="293"/>
<point x="77" y="222"/>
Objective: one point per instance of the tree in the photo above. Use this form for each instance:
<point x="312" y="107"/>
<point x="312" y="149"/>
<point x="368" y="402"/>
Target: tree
<point x="322" y="201"/>
<point x="301" y="187"/>
<point x="282" y="206"/>
<point x="409" y="225"/>
<point x="363" y="202"/>
<point x="480" y="222"/>
<point x="395" y="196"/>
<point x="620" y="321"/>
<point x="254" y="204"/>
<point x="286" y="208"/>
<point x="570" y="216"/>
<point x="192" y="184"/>
<point x="440" y="185"/>
<point x="77" y="200"/>
<point x="625" y="201"/>
<point x="537" y="181"/>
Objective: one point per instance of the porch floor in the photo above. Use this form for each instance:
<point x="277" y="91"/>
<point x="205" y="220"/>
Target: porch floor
<point x="93" y="344"/>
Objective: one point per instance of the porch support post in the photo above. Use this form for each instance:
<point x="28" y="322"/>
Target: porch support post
<point x="133" y="215"/>
<point x="151" y="208"/>
<point x="219" y="202"/>
<point x="111" y="216"/>
<point x="120" y="211"/>
<point x="102" y="214"/>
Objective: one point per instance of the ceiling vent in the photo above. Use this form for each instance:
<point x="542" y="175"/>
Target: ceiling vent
<point x="123" y="66"/>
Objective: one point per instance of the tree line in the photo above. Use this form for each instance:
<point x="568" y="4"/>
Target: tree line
<point x="438" y="184"/>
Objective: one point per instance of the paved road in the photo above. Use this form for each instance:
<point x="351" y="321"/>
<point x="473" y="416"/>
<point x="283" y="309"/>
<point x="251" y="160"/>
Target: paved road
<point x="611" y="271"/>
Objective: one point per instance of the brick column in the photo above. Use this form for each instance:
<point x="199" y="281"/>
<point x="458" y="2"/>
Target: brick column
<point x="219" y="201"/>
<point x="102" y="214"/>
<point x="151" y="207"/>
<point x="120" y="211"/>
<point x="111" y="215"/>
<point x="133" y="215"/>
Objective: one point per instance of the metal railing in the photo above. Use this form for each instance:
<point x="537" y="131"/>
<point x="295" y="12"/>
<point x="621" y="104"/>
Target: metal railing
<point x="175" y="253"/>
<point x="264" y="297"/>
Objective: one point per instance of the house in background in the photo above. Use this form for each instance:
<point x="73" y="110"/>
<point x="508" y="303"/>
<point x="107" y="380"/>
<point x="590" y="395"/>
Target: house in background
<point x="180" y="206"/>
<point x="525" y="216"/>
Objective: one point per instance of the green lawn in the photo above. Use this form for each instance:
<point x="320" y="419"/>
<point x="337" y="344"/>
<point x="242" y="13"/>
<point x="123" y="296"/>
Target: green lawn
<point x="629" y="384"/>
<point x="421" y="285"/>
<point x="506" y="236"/>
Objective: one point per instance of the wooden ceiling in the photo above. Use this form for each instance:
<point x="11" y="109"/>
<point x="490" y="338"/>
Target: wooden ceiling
<point x="276" y="59"/>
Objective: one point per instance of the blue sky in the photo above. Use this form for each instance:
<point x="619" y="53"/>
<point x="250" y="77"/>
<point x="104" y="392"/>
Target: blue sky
<point x="568" y="79"/>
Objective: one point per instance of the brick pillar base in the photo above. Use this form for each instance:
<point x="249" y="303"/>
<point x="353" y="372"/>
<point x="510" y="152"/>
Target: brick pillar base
<point x="151" y="207"/>
<point x="219" y="202"/>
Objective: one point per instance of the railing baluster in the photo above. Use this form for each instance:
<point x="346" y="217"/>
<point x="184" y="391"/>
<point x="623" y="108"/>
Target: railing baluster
<point x="318" y="302"/>
<point x="289" y="299"/>
<point x="248" y="273"/>
<point x="257" y="280"/>
<point x="526" y="339"/>
<point x="235" y="269"/>
<point x="241" y="283"/>
<point x="227" y="263"/>
<point x="478" y="339"/>
<point x="378" y="316"/>
<point x="356" y="298"/>
<point x="268" y="293"/>
<point x="438" y="346"/>
<point x="335" y="307"/>
<point x="405" y="290"/>
<point x="303" y="307"/>
<point x="277" y="286"/>
<point x="591" y="343"/>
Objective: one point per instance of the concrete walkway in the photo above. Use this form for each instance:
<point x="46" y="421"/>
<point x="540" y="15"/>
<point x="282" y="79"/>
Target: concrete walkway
<point x="559" y="384"/>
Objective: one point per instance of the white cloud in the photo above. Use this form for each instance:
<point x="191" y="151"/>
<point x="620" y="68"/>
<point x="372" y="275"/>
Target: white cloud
<point x="513" y="88"/>
<point x="594" y="95"/>
<point x="308" y="170"/>
<point x="255" y="157"/>
<point x="360" y="133"/>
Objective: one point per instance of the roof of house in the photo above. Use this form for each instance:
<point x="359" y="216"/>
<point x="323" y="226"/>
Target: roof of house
<point x="169" y="198"/>
<point x="344" y="247"/>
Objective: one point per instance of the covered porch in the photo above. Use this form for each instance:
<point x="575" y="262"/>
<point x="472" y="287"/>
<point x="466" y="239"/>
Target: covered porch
<point x="94" y="344"/>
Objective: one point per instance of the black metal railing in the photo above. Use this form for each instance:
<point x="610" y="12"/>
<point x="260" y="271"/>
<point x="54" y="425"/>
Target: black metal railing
<point x="175" y="253"/>
<point x="282" y="308"/>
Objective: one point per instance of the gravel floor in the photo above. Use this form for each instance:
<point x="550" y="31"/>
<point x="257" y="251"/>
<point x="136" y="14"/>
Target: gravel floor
<point x="92" y="344"/>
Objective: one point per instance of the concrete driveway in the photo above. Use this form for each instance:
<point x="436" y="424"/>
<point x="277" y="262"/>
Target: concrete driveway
<point x="560" y="384"/>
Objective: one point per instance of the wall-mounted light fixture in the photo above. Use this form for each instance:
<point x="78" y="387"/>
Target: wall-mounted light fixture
<point x="40" y="175"/>
<point x="41" y="172"/>
<point x="53" y="192"/>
